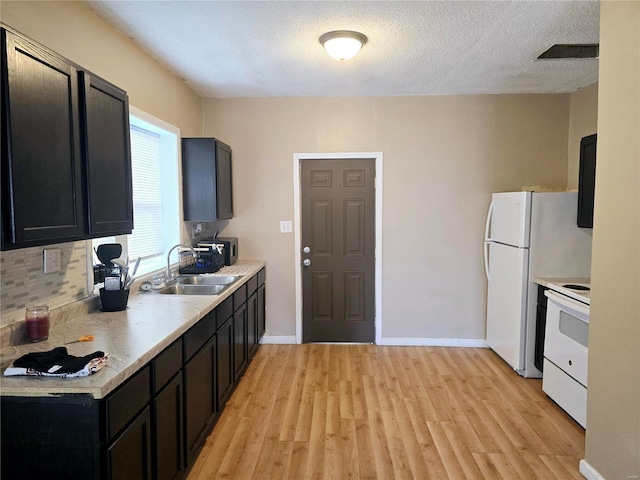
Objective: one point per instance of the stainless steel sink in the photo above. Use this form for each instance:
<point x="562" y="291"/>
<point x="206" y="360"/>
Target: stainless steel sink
<point x="199" y="285"/>
<point x="207" y="280"/>
<point x="179" y="289"/>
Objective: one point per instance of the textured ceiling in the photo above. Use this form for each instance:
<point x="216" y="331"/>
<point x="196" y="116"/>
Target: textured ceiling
<point x="271" y="48"/>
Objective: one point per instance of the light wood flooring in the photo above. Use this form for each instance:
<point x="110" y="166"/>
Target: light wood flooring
<point x="367" y="411"/>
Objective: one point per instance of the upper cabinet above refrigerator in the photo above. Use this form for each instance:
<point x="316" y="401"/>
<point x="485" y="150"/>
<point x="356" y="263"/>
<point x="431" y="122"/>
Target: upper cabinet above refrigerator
<point x="206" y="180"/>
<point x="587" y="181"/>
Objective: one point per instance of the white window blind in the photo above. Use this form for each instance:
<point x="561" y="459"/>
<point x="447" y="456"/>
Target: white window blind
<point x="146" y="238"/>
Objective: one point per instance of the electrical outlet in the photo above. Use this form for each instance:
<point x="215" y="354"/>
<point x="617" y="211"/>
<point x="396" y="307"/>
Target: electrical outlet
<point x="51" y="260"/>
<point x="286" y="226"/>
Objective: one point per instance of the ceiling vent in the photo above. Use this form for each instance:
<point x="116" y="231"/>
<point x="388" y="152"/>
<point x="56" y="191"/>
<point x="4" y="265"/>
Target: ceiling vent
<point x="559" y="50"/>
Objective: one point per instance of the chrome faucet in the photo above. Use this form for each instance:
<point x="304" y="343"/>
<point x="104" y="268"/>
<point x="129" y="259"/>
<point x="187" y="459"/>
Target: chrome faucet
<point x="169" y="276"/>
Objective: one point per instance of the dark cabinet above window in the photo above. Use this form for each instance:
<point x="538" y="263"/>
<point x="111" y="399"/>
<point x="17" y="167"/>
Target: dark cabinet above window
<point x="206" y="178"/>
<point x="66" y="161"/>
<point x="42" y="184"/>
<point x="108" y="156"/>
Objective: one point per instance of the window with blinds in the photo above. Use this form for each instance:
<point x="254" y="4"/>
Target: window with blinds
<point x="146" y="239"/>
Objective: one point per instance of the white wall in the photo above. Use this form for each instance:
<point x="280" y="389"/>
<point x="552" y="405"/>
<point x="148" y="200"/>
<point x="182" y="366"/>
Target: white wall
<point x="583" y="121"/>
<point x="443" y="156"/>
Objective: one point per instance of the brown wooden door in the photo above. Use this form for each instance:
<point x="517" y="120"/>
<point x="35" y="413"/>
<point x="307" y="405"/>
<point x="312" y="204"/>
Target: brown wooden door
<point x="338" y="229"/>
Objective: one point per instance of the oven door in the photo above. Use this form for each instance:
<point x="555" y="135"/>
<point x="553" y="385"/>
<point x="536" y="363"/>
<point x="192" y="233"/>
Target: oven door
<point x="567" y="335"/>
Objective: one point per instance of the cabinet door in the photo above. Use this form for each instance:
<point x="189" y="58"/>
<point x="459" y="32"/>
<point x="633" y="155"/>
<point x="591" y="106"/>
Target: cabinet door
<point x="108" y="156"/>
<point x="206" y="180"/>
<point x="252" y="324"/>
<point x="129" y="456"/>
<point x="240" y="341"/>
<point x="224" y="200"/>
<point x="587" y="181"/>
<point x="198" y="179"/>
<point x="168" y="438"/>
<point x="200" y="397"/>
<point x="261" y="311"/>
<point x="42" y="184"/>
<point x="225" y="361"/>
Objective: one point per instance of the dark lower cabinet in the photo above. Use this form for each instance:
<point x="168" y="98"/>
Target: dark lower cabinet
<point x="252" y="325"/>
<point x="240" y="356"/>
<point x="261" y="311"/>
<point x="541" y="323"/>
<point x="200" y="397"/>
<point x="168" y="453"/>
<point x="129" y="456"/>
<point x="154" y="424"/>
<point x="50" y="438"/>
<point x="225" y="361"/>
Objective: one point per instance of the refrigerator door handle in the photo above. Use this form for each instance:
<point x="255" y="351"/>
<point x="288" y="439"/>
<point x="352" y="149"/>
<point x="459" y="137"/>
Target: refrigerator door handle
<point x="486" y="260"/>
<point x="487" y="240"/>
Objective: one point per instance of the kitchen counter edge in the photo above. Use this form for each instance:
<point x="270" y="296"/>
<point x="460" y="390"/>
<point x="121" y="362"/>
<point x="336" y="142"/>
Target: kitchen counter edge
<point x="132" y="338"/>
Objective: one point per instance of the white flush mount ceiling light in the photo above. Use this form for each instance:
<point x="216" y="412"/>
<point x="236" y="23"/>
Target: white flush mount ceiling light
<point x="343" y="44"/>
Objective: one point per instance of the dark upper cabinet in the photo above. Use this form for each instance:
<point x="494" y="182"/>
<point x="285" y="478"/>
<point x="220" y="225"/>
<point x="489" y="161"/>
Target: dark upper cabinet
<point x="108" y="156"/>
<point x="206" y="178"/>
<point x="66" y="161"/>
<point x="587" y="181"/>
<point x="42" y="178"/>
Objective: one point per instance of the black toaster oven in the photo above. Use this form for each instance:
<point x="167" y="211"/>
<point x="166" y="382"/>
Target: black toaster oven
<point x="229" y="246"/>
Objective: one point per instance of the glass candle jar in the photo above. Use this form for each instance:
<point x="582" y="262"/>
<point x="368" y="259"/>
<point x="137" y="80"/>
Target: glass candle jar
<point x="37" y="320"/>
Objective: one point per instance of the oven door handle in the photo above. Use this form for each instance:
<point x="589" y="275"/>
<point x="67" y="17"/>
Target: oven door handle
<point x="578" y="309"/>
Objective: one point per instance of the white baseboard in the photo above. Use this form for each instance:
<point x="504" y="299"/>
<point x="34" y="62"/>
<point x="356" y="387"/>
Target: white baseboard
<point x="589" y="472"/>
<point x="435" y="342"/>
<point x="394" y="341"/>
<point x="279" y="340"/>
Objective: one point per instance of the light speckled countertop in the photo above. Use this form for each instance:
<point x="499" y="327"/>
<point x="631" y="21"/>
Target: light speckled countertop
<point x="545" y="281"/>
<point x="132" y="337"/>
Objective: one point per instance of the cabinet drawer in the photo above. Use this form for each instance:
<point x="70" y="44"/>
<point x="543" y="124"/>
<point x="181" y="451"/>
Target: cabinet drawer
<point x="262" y="276"/>
<point x="239" y="297"/>
<point x="566" y="392"/>
<point x="166" y="365"/>
<point x="127" y="401"/>
<point x="198" y="335"/>
<point x="224" y="311"/>
<point x="252" y="285"/>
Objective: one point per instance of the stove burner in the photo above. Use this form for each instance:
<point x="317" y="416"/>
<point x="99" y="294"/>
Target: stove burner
<point x="576" y="287"/>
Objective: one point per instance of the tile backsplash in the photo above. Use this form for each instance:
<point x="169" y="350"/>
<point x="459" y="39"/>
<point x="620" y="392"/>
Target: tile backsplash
<point x="24" y="282"/>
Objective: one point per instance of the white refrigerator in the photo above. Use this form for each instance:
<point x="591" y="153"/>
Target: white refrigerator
<point x="528" y="235"/>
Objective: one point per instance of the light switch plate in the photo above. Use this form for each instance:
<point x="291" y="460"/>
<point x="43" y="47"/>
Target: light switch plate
<point x="286" y="226"/>
<point x="51" y="260"/>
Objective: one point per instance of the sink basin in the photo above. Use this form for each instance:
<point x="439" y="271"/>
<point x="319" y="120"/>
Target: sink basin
<point x="208" y="280"/>
<point x="180" y="289"/>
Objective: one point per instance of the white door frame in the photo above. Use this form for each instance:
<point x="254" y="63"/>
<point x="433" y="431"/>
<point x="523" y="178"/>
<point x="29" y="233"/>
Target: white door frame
<point x="297" y="214"/>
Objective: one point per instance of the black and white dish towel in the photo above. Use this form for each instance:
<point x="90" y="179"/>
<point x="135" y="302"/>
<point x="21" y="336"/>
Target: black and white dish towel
<point x="57" y="363"/>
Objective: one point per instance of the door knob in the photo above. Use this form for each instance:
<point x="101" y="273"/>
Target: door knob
<point x="306" y="262"/>
<point x="306" y="249"/>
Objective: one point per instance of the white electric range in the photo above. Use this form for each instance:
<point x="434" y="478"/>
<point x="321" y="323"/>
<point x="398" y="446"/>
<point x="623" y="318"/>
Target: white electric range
<point x="566" y="345"/>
